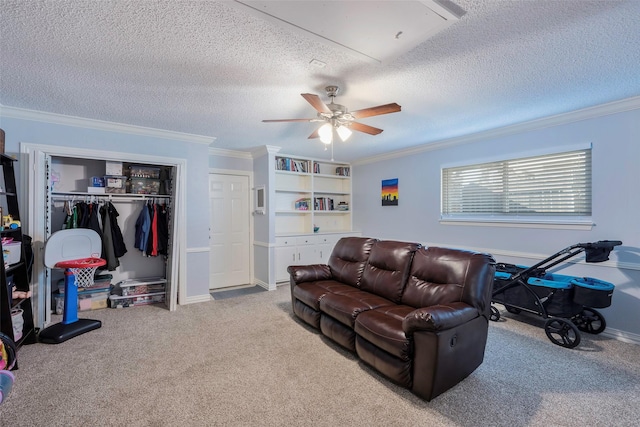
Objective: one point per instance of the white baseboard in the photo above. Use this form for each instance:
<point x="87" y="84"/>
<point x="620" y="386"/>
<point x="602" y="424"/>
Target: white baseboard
<point x="265" y="285"/>
<point x="622" y="335"/>
<point x="196" y="299"/>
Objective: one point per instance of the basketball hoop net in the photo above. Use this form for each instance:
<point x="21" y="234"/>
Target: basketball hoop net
<point x="83" y="269"/>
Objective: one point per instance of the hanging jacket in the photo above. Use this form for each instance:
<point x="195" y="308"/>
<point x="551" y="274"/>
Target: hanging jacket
<point x="107" y="240"/>
<point x="163" y="230"/>
<point x="149" y="245"/>
<point x="154" y="230"/>
<point x="94" y="224"/>
<point x="143" y="224"/>
<point x="119" y="247"/>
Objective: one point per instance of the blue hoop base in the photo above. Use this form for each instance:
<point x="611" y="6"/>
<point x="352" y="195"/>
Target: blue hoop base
<point x="70" y="326"/>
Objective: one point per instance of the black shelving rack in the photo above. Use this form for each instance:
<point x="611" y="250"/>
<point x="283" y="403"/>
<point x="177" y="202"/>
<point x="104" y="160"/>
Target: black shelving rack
<point x="16" y="274"/>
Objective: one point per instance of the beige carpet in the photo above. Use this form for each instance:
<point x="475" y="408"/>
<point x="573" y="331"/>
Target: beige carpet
<point x="246" y="361"/>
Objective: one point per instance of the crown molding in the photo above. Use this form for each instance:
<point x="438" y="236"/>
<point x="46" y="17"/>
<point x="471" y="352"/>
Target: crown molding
<point x="263" y="150"/>
<point x="230" y="153"/>
<point x="614" y="107"/>
<point x="60" y="119"/>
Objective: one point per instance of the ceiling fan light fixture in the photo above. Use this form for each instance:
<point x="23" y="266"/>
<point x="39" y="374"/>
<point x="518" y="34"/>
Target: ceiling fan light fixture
<point x="326" y="133"/>
<point x="343" y="132"/>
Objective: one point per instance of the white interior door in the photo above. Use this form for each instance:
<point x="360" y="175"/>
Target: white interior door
<point x="230" y="262"/>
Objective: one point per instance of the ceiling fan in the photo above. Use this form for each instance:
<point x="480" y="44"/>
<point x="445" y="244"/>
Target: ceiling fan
<point x="337" y="118"/>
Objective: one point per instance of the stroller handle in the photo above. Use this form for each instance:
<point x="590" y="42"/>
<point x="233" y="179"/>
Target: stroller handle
<point x="604" y="244"/>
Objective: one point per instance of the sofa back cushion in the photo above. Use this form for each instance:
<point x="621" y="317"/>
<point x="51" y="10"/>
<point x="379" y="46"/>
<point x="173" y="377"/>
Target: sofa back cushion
<point x="441" y="276"/>
<point x="388" y="268"/>
<point x="348" y="259"/>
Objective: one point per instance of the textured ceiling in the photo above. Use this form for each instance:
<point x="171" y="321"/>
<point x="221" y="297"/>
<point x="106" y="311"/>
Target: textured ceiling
<point x="210" y="68"/>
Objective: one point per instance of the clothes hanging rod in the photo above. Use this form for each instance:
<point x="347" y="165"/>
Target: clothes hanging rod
<point x="59" y="195"/>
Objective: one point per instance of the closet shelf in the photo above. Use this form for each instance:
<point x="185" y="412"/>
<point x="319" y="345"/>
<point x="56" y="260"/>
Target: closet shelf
<point x="126" y="196"/>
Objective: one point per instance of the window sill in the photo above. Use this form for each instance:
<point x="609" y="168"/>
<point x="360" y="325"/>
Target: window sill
<point x="520" y="223"/>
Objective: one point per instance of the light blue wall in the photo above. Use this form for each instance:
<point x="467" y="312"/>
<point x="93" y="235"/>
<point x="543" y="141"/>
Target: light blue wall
<point x="233" y="163"/>
<point x="196" y="155"/>
<point x="616" y="204"/>
<point x="263" y="223"/>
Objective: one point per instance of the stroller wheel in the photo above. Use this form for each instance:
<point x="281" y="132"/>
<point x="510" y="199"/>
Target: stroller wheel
<point x="495" y="314"/>
<point x="590" y="321"/>
<point x="562" y="332"/>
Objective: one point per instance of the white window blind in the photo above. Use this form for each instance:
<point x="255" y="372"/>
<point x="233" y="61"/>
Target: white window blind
<point x="549" y="185"/>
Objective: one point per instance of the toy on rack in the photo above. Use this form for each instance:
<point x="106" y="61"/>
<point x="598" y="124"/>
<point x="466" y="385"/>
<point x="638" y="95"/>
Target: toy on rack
<point x="7" y="362"/>
<point x="566" y="302"/>
<point x="78" y="252"/>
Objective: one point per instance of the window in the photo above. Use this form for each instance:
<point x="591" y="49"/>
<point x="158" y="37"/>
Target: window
<point x="541" y="187"/>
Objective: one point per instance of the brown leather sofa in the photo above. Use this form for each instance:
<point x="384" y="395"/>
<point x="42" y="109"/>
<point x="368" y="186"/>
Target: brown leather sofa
<point x="417" y="315"/>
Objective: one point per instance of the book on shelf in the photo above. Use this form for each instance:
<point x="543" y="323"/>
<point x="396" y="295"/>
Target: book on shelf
<point x="323" y="204"/>
<point x="343" y="171"/>
<point x="291" y="165"/>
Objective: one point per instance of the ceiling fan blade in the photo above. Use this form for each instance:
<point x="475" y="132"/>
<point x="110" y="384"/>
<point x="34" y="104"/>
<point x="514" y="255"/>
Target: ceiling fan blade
<point x="316" y="103"/>
<point x="376" y="111"/>
<point x="364" y="128"/>
<point x="314" y="134"/>
<point x="288" y="120"/>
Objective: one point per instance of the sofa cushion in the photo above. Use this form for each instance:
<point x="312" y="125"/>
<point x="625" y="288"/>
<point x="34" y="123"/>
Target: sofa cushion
<point x="387" y="270"/>
<point x="397" y="370"/>
<point x="348" y="259"/>
<point x="310" y="293"/>
<point x="435" y="278"/>
<point x="441" y="276"/>
<point x="383" y="328"/>
<point x="346" y="307"/>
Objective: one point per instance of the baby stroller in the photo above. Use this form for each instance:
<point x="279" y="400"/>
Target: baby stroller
<point x="566" y="302"/>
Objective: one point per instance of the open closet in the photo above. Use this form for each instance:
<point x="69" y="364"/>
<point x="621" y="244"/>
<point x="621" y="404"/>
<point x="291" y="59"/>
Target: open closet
<point x="71" y="200"/>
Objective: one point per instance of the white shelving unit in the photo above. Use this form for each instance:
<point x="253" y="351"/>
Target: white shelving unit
<point x="314" y="194"/>
<point x="309" y="193"/>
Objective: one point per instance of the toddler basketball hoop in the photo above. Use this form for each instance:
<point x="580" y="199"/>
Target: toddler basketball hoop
<point x="78" y="252"/>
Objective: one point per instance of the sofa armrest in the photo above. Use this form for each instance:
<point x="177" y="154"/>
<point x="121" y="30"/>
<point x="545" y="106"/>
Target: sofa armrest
<point x="309" y="273"/>
<point x="438" y="317"/>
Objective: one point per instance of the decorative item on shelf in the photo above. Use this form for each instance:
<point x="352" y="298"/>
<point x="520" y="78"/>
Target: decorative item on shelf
<point x="302" y="204"/>
<point x="113" y="168"/>
<point x="97" y="181"/>
<point x="18" y="323"/>
<point x="11" y="250"/>
<point x="115" y="184"/>
<point x="96" y="185"/>
<point x="9" y="222"/>
<point x="140" y="171"/>
<point x="343" y="206"/>
<point x="316" y="228"/>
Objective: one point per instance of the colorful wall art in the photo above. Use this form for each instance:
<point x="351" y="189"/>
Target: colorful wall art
<point x="390" y="192"/>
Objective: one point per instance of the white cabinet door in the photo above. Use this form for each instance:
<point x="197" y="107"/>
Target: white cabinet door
<point x="325" y="245"/>
<point x="324" y="252"/>
<point x="306" y="255"/>
<point x="285" y="256"/>
<point x="306" y="250"/>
